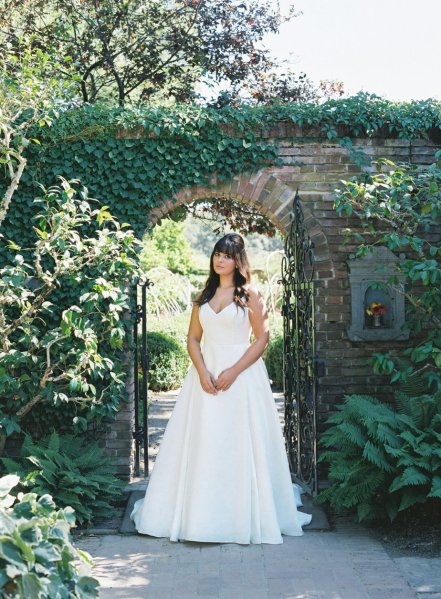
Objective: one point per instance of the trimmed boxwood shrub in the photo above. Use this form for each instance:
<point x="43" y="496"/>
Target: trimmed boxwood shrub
<point x="175" y="326"/>
<point x="168" y="362"/>
<point x="274" y="361"/>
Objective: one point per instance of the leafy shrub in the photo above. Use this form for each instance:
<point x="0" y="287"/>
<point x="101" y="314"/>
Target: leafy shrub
<point x="383" y="460"/>
<point x="37" y="558"/>
<point x="168" y="362"/>
<point x="274" y="361"/>
<point x="167" y="247"/>
<point x="76" y="472"/>
<point x="56" y="352"/>
<point x="176" y="327"/>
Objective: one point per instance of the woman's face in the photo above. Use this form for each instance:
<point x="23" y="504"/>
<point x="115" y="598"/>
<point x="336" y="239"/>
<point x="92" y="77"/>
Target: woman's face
<point x="223" y="264"/>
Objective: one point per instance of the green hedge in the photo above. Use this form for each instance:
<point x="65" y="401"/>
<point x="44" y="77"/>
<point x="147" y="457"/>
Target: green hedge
<point x="168" y="362"/>
<point x="274" y="361"/>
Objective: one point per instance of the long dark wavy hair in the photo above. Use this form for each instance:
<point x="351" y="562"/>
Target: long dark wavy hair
<point x="233" y="245"/>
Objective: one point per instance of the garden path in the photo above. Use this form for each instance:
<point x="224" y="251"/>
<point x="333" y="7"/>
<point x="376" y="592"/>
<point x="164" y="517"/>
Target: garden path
<point x="346" y="562"/>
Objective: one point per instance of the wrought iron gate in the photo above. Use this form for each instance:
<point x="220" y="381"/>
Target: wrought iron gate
<point x="299" y="359"/>
<point x="140" y="363"/>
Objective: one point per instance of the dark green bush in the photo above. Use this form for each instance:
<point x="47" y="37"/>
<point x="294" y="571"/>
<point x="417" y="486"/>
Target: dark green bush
<point x="175" y="326"/>
<point x="61" y="315"/>
<point x="168" y="362"/>
<point x="274" y="361"/>
<point x="37" y="558"/>
<point x="382" y="460"/>
<point x="74" y="471"/>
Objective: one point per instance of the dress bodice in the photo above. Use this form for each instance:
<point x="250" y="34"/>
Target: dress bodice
<point x="230" y="326"/>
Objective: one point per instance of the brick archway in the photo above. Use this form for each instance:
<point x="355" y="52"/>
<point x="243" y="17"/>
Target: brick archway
<point x="271" y="195"/>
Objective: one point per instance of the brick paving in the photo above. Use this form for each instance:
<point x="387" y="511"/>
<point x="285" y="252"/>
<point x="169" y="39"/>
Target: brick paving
<point x="346" y="563"/>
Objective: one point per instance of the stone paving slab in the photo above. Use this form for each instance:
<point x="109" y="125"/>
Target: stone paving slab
<point x="346" y="563"/>
<point x="423" y="574"/>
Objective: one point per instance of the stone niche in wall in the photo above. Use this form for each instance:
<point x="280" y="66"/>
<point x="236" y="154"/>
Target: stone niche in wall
<point x="369" y="278"/>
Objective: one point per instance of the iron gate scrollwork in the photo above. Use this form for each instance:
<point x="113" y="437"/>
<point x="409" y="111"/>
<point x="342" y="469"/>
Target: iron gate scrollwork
<point x="140" y="363"/>
<point x="299" y="360"/>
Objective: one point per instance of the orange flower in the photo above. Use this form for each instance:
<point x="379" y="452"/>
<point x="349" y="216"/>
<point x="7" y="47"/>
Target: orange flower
<point x="376" y="308"/>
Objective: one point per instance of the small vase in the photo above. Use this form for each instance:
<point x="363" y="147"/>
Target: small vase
<point x="377" y="320"/>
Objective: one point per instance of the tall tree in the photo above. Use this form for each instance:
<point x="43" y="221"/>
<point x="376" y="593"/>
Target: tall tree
<point x="148" y="49"/>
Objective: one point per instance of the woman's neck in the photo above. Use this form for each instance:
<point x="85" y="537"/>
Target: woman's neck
<point x="226" y="282"/>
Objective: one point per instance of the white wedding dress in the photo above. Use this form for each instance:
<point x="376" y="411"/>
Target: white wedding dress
<point x="221" y="473"/>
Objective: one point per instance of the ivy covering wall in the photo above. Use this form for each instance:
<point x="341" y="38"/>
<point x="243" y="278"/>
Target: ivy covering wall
<point x="134" y="159"/>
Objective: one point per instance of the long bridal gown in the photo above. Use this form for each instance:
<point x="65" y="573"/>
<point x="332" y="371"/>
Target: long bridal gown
<point x="221" y="473"/>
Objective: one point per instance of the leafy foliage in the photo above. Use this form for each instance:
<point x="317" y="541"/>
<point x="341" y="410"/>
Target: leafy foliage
<point x="383" y="460"/>
<point x="51" y="355"/>
<point x="274" y="361"/>
<point x="147" y="49"/>
<point x="399" y="207"/>
<point x="73" y="470"/>
<point x="28" y="99"/>
<point x="278" y="86"/>
<point x="37" y="558"/>
<point x="224" y="214"/>
<point x="169" y="294"/>
<point x="167" y="247"/>
<point x="168" y="362"/>
<point x="133" y="160"/>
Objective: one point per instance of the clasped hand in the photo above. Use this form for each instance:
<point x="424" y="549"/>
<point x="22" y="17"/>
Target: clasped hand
<point x="223" y="382"/>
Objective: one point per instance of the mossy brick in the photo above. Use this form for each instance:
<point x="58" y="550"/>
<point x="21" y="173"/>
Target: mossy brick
<point x="122" y="452"/>
<point x="121" y="425"/>
<point x="124" y="416"/>
<point x="331" y="168"/>
<point x="334" y="299"/>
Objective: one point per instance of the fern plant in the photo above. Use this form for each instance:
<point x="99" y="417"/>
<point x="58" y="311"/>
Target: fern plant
<point x="383" y="460"/>
<point x="74" y="471"/>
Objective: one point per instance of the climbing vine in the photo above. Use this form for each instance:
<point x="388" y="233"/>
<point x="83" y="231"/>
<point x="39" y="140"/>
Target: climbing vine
<point x="133" y="160"/>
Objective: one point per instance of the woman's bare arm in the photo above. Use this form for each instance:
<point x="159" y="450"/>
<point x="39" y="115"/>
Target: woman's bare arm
<point x="259" y="325"/>
<point x="194" y="337"/>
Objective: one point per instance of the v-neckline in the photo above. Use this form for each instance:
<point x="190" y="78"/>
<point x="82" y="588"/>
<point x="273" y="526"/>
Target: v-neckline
<point x="217" y="313"/>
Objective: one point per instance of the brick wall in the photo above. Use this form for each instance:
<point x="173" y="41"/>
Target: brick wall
<point x="314" y="166"/>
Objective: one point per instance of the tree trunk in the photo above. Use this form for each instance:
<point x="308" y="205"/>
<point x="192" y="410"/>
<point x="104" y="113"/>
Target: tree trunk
<point x="11" y="189"/>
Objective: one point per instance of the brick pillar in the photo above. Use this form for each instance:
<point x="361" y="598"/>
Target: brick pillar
<point x="118" y="438"/>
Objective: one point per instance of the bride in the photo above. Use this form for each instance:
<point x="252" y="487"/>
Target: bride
<point x="221" y="473"/>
